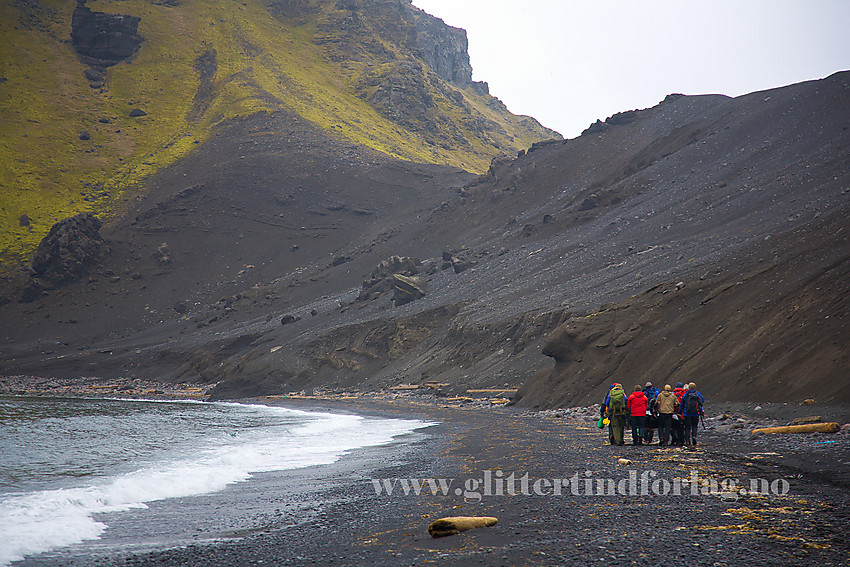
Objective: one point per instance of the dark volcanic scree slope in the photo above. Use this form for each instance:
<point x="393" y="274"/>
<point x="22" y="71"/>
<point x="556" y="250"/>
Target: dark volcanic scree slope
<point x="702" y="239"/>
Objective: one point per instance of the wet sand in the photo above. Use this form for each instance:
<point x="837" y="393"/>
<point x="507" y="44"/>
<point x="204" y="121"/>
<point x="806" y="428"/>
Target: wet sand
<point x="331" y="515"/>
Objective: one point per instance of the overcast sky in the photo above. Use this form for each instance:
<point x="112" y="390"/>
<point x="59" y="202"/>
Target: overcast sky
<point x="569" y="62"/>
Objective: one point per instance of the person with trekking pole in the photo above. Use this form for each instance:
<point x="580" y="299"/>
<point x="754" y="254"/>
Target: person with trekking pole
<point x="692" y="404"/>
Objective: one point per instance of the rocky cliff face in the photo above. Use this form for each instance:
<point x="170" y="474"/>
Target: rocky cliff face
<point x="444" y="48"/>
<point x="417" y="72"/>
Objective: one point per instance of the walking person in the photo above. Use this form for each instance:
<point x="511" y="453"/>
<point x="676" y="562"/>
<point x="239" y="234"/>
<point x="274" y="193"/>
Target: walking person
<point x="678" y="429"/>
<point x="651" y="423"/>
<point x="692" y="404"/>
<point x="636" y="406"/>
<point x="667" y="405"/>
<point x="617" y="413"/>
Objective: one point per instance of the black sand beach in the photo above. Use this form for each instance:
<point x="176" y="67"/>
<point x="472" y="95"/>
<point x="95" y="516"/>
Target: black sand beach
<point x="331" y="515"/>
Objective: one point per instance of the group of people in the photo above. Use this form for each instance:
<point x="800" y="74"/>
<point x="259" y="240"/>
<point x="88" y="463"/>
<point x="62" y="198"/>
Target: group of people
<point x="675" y="412"/>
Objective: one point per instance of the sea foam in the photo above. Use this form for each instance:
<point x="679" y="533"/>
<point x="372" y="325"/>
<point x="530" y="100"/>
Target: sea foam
<point x="43" y="520"/>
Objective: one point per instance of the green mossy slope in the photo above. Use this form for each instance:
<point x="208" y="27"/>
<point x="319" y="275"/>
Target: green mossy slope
<point x="201" y="63"/>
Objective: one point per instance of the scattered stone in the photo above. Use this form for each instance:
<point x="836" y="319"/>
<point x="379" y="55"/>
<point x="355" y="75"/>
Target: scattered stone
<point x="458" y="264"/>
<point x="808" y="402"/>
<point x="84" y="135"/>
<point x="137" y="112"/>
<point x="623" y="462"/>
<point x="181" y="307"/>
<point x="590" y="202"/>
<point x="810" y="419"/>
<point x="93" y="75"/>
<point x="287" y="319"/>
<point x="162" y="255"/>
<point x="339" y="260"/>
<point x="32" y="291"/>
<point x="104" y="120"/>
<point x="24" y="220"/>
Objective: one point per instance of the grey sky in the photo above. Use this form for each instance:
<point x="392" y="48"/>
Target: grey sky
<point x="569" y="62"/>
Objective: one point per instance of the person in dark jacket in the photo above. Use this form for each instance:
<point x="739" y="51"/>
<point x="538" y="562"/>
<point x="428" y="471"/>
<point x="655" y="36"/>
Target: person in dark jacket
<point x="651" y="423"/>
<point x="692" y="410"/>
<point x="678" y="427"/>
<point x="636" y="406"/>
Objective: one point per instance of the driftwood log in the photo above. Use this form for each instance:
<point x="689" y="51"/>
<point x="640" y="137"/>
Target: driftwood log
<point x="455" y="524"/>
<point x="807" y="428"/>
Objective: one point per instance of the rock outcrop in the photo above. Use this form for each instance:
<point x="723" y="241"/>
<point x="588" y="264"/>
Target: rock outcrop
<point x="382" y="279"/>
<point x="65" y="254"/>
<point x="101" y="39"/>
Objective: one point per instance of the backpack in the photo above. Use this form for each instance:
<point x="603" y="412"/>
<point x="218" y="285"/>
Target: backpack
<point x="618" y="402"/>
<point x="694" y="406"/>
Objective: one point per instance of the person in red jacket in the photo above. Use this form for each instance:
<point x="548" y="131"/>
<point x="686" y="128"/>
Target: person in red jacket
<point x="636" y="406"/>
<point x="678" y="430"/>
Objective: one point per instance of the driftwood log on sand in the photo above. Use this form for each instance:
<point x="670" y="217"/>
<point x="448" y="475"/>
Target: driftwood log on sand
<point x="455" y="524"/>
<point x="807" y="428"/>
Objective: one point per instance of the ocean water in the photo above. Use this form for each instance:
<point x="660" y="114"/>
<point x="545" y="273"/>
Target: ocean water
<point x="65" y="462"/>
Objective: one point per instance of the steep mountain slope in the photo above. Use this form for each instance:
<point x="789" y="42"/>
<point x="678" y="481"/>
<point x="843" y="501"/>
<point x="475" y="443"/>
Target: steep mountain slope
<point x="647" y="248"/>
<point x="87" y="119"/>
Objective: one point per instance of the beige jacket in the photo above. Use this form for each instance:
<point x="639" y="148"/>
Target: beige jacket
<point x="667" y="402"/>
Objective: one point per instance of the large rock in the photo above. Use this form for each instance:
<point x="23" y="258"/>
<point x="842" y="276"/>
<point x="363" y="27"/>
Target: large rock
<point x="104" y="39"/>
<point x="406" y="289"/>
<point x="381" y="279"/>
<point x="69" y="249"/>
<point x="458" y="263"/>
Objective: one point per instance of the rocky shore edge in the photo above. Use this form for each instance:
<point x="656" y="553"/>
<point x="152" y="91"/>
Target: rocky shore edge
<point x="93" y="387"/>
<point x="729" y="418"/>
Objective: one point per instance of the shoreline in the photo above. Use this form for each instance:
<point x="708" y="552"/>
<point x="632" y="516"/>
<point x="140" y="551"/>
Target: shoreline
<point x="734" y="418"/>
<point x="344" y="521"/>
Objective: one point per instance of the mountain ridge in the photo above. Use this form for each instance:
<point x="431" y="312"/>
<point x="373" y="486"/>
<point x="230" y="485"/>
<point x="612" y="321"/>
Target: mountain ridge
<point x="655" y="213"/>
<point x="83" y="134"/>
